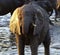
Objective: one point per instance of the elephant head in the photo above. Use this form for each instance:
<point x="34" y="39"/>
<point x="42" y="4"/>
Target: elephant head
<point x="28" y="19"/>
<point x="33" y="19"/>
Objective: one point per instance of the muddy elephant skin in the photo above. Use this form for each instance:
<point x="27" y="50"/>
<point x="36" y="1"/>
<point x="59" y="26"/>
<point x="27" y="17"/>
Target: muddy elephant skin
<point x="34" y="28"/>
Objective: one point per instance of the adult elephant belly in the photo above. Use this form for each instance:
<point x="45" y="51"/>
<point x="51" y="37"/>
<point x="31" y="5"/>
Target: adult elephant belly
<point x="7" y="6"/>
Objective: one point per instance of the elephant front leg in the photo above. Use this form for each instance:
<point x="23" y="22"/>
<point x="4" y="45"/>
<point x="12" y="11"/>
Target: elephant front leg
<point x="20" y="45"/>
<point x="47" y="45"/>
<point x="34" y="47"/>
<point x="47" y="50"/>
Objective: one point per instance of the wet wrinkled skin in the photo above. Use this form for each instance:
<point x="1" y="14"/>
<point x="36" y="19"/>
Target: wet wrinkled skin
<point x="34" y="29"/>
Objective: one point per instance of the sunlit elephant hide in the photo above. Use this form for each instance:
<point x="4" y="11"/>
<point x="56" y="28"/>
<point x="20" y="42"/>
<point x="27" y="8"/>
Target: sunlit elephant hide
<point x="30" y="24"/>
<point x="58" y="8"/>
<point x="58" y="4"/>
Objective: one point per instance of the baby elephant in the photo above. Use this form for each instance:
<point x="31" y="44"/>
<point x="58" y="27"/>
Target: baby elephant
<point x="30" y="24"/>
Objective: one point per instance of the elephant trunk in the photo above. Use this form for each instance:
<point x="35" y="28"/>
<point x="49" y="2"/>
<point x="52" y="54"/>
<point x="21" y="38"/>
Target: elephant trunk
<point x="26" y="25"/>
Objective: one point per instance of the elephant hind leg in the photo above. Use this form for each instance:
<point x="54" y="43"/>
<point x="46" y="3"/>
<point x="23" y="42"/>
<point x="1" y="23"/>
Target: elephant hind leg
<point x="46" y="44"/>
<point x="20" y="44"/>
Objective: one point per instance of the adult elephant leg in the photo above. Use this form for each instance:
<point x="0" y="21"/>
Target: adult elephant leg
<point x="56" y="14"/>
<point x="47" y="44"/>
<point x="34" y="47"/>
<point x="12" y="39"/>
<point x="20" y="44"/>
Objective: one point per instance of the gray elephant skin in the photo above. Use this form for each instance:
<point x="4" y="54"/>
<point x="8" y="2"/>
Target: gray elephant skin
<point x="34" y="29"/>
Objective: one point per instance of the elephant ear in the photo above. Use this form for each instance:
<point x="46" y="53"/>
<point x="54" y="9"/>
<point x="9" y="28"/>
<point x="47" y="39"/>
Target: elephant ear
<point x="41" y="19"/>
<point x="39" y="23"/>
<point x="16" y="21"/>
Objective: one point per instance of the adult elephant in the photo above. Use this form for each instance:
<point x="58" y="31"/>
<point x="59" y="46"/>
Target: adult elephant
<point x="53" y="3"/>
<point x="7" y="6"/>
<point x="45" y="4"/>
<point x="49" y="5"/>
<point x="30" y="24"/>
